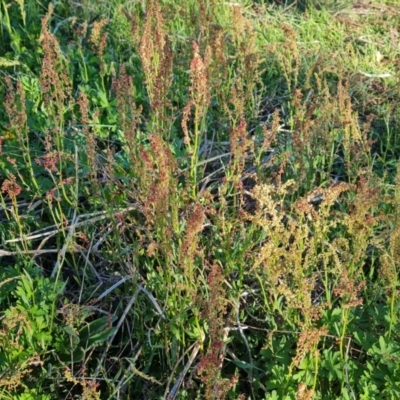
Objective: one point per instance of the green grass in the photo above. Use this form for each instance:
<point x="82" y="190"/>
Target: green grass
<point x="199" y="199"/>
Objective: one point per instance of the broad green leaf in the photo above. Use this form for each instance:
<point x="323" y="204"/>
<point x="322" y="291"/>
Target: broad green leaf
<point x="102" y="336"/>
<point x="94" y="327"/>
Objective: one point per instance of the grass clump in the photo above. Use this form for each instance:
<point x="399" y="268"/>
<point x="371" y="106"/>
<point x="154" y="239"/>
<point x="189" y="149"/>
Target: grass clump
<point x="199" y="199"/>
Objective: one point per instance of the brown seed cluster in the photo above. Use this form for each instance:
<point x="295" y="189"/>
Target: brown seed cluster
<point x="11" y="187"/>
<point x="348" y="290"/>
<point x="157" y="59"/>
<point x="49" y="161"/>
<point x="97" y="39"/>
<point x="308" y="341"/>
<point x="240" y="147"/>
<point x="210" y="365"/>
<point x="199" y="94"/>
<point x="16" y="109"/>
<point x="157" y="182"/>
<point x="54" y="78"/>
<point x="194" y="226"/>
<point x="129" y="115"/>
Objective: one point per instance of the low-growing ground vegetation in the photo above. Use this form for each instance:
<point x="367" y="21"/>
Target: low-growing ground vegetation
<point x="199" y="199"/>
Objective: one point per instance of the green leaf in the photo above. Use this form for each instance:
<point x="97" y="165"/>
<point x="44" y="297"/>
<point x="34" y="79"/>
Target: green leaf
<point x="4" y="62"/>
<point x="102" y="336"/>
<point x="243" y="364"/>
<point x="78" y="355"/>
<point x="94" y="327"/>
<point x="70" y="331"/>
<point x="333" y="364"/>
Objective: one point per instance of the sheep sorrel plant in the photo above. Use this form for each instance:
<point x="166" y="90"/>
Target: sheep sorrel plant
<point x="199" y="199"/>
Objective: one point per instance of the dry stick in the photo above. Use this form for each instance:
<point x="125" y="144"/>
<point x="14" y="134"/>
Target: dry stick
<point x="100" y="215"/>
<point x="153" y="300"/>
<point x="140" y="287"/>
<point x="55" y="231"/>
<point x="90" y="264"/>
<point x="127" y="308"/>
<point x="200" y="163"/>
<point x="34" y="205"/>
<point x="85" y="256"/>
<point x="121" y="386"/>
<point x="61" y="254"/>
<point x="207" y="179"/>
<point x="41" y="245"/>
<point x="174" y="369"/>
<point x="375" y="75"/>
<point x="111" y="288"/>
<point x="121" y="320"/>
<point x="87" y="262"/>
<point x="103" y="238"/>
<point x="20" y="204"/>
<point x="174" y="390"/>
<point x="4" y="253"/>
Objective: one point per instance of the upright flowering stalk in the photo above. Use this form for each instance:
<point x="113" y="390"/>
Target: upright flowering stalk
<point x="156" y="190"/>
<point x="11" y="188"/>
<point x="129" y="114"/>
<point x="99" y="41"/>
<point x="199" y="100"/>
<point x="156" y="56"/>
<point x="189" y="246"/>
<point x="15" y="107"/>
<point x="54" y="78"/>
<point x="83" y="103"/>
<point x="210" y="366"/>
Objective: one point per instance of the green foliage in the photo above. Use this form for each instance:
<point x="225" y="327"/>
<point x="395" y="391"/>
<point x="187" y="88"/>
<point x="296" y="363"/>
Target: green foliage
<point x="199" y="199"/>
